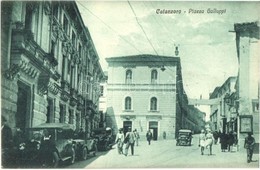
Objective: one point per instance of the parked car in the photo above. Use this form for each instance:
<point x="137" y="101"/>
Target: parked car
<point x="84" y="148"/>
<point x="37" y="152"/>
<point x="104" y="137"/>
<point x="184" y="137"/>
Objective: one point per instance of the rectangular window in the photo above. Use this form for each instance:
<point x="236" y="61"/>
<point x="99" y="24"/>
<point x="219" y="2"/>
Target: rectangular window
<point x="63" y="67"/>
<point x="62" y="113"/>
<point x="65" y="24"/>
<point x="71" y="117"/>
<point x="101" y="90"/>
<point x="73" y="39"/>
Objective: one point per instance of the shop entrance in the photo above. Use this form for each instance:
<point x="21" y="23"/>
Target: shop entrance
<point x="153" y="126"/>
<point x="126" y="125"/>
<point x="22" y="117"/>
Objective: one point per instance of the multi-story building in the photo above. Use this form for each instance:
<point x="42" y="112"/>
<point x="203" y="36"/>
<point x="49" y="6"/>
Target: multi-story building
<point x="247" y="86"/>
<point x="141" y="94"/>
<point x="221" y="114"/>
<point x="103" y="101"/>
<point x="50" y="68"/>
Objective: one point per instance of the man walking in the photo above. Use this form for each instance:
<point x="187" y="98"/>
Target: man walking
<point x="119" y="140"/>
<point x="249" y="146"/>
<point x="136" y="137"/>
<point x="149" y="136"/>
<point x="129" y="141"/>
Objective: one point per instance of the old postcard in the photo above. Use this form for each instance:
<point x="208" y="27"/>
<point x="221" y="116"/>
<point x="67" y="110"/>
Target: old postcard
<point x="130" y="84"/>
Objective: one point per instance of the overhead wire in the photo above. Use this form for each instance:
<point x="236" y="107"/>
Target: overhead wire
<point x="142" y="28"/>
<point x="108" y="26"/>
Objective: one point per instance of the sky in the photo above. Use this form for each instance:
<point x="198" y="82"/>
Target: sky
<point x="206" y="42"/>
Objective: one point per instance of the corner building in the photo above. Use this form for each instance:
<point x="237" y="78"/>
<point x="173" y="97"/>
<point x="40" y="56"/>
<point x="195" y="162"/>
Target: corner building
<point x="141" y="94"/>
<point x="50" y="68"/>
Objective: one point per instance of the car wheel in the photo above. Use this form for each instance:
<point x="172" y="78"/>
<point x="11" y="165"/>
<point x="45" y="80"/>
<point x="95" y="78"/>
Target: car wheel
<point x="73" y="156"/>
<point x="84" y="153"/>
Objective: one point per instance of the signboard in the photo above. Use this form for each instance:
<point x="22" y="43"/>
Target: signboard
<point x="246" y="123"/>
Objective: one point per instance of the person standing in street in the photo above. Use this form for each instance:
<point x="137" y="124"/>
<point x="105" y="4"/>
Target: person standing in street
<point x="223" y="141"/>
<point x="149" y="136"/>
<point x="136" y="137"/>
<point x="249" y="146"/>
<point x="202" y="139"/>
<point x="120" y="141"/>
<point x="209" y="141"/>
<point x="6" y="142"/>
<point x="129" y="141"/>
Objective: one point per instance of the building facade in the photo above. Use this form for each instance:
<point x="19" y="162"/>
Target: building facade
<point x="247" y="86"/>
<point x="222" y="114"/>
<point x="103" y="101"/>
<point x="142" y="96"/>
<point x="50" y="68"/>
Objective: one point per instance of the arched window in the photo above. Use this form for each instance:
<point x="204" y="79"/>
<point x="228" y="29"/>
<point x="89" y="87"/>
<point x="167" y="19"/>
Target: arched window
<point x="128" y="77"/>
<point x="153" y="104"/>
<point x="154" y="76"/>
<point x="128" y="103"/>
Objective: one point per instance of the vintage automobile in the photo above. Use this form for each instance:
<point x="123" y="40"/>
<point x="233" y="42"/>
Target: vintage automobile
<point x="84" y="148"/>
<point x="104" y="137"/>
<point x="38" y="152"/>
<point x="184" y="137"/>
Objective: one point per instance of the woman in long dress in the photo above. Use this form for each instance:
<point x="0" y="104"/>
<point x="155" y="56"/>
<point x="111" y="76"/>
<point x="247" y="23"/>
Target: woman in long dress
<point x="209" y="141"/>
<point x="202" y="139"/>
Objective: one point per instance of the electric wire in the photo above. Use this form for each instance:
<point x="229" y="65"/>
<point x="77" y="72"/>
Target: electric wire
<point x="108" y="26"/>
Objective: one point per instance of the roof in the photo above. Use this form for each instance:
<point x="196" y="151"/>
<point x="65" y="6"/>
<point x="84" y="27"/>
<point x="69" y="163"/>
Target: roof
<point x="185" y="130"/>
<point x="143" y="57"/>
<point x="53" y="126"/>
<point x="102" y="129"/>
<point x="248" y="29"/>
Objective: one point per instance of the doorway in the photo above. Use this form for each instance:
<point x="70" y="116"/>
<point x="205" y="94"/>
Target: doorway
<point x="22" y="116"/>
<point x="153" y="126"/>
<point x="126" y="125"/>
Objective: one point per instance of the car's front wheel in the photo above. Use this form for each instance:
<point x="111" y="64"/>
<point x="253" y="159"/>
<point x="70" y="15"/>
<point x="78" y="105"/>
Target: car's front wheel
<point x="84" y="153"/>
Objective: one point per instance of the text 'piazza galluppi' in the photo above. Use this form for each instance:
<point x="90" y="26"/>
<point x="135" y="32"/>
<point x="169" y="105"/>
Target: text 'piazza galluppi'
<point x="191" y="11"/>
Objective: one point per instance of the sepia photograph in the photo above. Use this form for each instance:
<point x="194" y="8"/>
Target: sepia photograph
<point x="129" y="84"/>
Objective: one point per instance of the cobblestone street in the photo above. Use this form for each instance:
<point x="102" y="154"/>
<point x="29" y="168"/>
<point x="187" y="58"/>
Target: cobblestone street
<point x="165" y="154"/>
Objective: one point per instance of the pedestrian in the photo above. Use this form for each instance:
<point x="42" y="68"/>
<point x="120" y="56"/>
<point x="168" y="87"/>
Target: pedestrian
<point x="216" y="136"/>
<point x="230" y="140"/>
<point x="223" y="141"/>
<point x="136" y="137"/>
<point x="164" y="135"/>
<point x="48" y="152"/>
<point x="19" y="138"/>
<point x="202" y="138"/>
<point x="120" y="141"/>
<point x="249" y="146"/>
<point x="209" y="141"/>
<point x="129" y="141"/>
<point x="149" y="136"/>
<point x="6" y="143"/>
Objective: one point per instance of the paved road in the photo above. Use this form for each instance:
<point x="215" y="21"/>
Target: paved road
<point x="164" y="154"/>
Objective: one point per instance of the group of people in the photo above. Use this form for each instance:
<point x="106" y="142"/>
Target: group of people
<point x="130" y="139"/>
<point x="206" y="140"/>
<point x="227" y="140"/>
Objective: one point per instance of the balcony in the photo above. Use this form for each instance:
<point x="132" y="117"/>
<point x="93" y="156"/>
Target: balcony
<point x="73" y="97"/>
